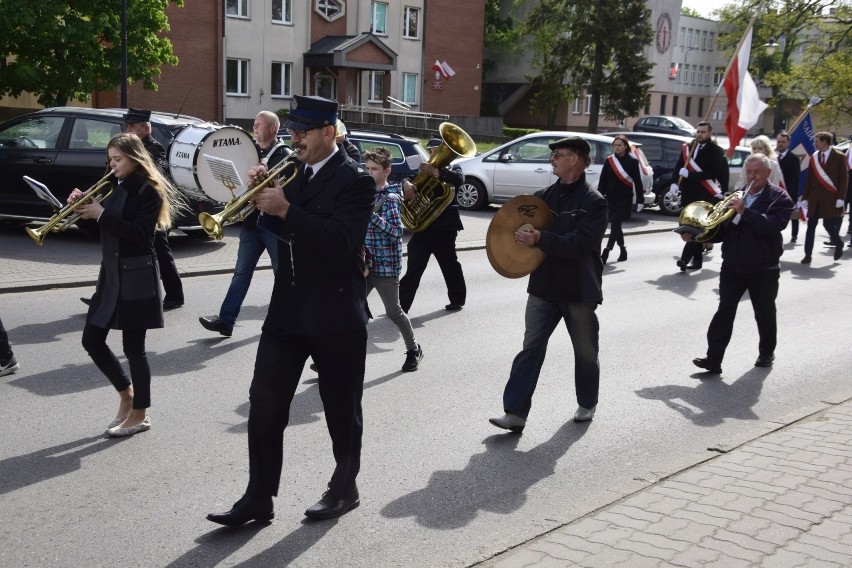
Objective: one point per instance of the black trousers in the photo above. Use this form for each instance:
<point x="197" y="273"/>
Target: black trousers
<point x="691" y="254"/>
<point x="277" y="370"/>
<point x="422" y="245"/>
<point x="762" y="288"/>
<point x="616" y="234"/>
<point x="5" y="348"/>
<point x="168" y="270"/>
<point x="133" y="342"/>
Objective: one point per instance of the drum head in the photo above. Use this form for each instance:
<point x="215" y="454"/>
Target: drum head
<point x="507" y="257"/>
<point x="190" y="170"/>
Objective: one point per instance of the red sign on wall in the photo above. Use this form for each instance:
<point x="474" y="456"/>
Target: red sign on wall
<point x="437" y="86"/>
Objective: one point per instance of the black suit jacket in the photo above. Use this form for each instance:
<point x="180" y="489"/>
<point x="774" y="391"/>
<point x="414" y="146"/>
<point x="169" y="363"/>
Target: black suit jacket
<point x="320" y="287"/>
<point x="711" y="159"/>
<point x="790" y="169"/>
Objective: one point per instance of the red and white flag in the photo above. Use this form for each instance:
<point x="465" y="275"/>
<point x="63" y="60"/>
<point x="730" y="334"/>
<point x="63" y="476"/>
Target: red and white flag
<point x="744" y="104"/>
<point x="445" y="70"/>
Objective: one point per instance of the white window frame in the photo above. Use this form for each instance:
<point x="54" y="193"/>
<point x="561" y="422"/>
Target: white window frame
<point x="286" y="11"/>
<point x="576" y="108"/>
<point x="409" y="88"/>
<point x="406" y="20"/>
<point x="285" y="88"/>
<point x="375" y="8"/>
<point x="588" y="106"/>
<point x="330" y="10"/>
<point x="242" y="9"/>
<point x="242" y="78"/>
<point x="376" y="77"/>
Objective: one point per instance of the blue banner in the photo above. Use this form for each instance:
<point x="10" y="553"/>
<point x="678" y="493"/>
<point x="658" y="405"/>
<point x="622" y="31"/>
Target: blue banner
<point x="802" y="145"/>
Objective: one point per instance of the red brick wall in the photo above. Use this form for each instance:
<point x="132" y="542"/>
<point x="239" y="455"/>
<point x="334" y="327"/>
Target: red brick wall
<point x="453" y="32"/>
<point x="196" y="36"/>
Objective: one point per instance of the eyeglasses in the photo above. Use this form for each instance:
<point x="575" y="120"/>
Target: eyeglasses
<point x="556" y="155"/>
<point x="300" y="133"/>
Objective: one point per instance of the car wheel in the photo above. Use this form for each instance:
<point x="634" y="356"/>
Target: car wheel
<point x="669" y="205"/>
<point x="471" y="195"/>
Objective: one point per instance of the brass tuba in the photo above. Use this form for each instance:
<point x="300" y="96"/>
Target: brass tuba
<point x="432" y="195"/>
<point x="65" y="218"/>
<point x="242" y="206"/>
<point x="703" y="219"/>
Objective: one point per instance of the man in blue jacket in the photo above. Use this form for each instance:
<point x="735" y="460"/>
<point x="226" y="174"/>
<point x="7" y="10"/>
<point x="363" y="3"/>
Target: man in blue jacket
<point x="751" y="247"/>
<point x="566" y="285"/>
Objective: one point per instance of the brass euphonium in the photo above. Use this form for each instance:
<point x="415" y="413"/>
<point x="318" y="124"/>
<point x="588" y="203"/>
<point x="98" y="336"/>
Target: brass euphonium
<point x="703" y="219"/>
<point x="433" y="196"/>
<point x="242" y="206"/>
<point x="65" y="218"/>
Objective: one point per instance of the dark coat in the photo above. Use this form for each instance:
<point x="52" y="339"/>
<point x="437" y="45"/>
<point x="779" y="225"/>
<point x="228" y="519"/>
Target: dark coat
<point x="572" y="268"/>
<point x="755" y="242"/>
<point x="157" y="153"/>
<point x="127" y="232"/>
<point x="711" y="159"/>
<point x="322" y="291"/>
<point x="618" y="196"/>
<point x="818" y="197"/>
<point x="790" y="169"/>
<point x="449" y="219"/>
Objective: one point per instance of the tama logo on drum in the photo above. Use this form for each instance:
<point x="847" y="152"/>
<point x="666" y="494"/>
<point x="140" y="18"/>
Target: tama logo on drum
<point x="227" y="142"/>
<point x="180" y="154"/>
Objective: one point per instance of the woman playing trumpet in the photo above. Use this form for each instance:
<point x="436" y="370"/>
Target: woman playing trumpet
<point x="128" y="294"/>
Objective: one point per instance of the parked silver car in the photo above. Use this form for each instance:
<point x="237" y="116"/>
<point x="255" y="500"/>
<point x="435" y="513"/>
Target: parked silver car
<point x="522" y="166"/>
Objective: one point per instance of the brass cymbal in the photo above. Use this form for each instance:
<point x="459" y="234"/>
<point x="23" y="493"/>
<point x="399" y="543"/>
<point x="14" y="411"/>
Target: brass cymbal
<point x="506" y="256"/>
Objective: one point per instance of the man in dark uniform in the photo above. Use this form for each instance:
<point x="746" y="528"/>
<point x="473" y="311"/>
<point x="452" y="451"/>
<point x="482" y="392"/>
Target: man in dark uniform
<point x="704" y="177"/>
<point x="437" y="239"/>
<point x="318" y="309"/>
<point x="138" y="122"/>
<point x="790" y="169"/>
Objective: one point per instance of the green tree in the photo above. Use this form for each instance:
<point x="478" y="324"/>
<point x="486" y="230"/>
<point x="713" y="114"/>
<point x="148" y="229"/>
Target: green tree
<point x="63" y="50"/>
<point x="687" y="11"/>
<point x="594" y="47"/>
<point x="791" y="23"/>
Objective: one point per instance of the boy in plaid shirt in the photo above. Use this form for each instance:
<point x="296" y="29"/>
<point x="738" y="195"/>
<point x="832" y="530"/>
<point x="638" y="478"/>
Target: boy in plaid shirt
<point x="383" y="247"/>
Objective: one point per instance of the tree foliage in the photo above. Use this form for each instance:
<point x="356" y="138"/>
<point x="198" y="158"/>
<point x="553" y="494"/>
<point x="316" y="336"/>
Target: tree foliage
<point x="502" y="32"/>
<point x="797" y="26"/>
<point x="63" y="50"/>
<point x="687" y="11"/>
<point x="592" y="47"/>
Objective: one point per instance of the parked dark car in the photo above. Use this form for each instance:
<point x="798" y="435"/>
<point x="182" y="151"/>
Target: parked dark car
<point x="406" y="153"/>
<point x="64" y="148"/>
<point x="663" y="151"/>
<point x="664" y="125"/>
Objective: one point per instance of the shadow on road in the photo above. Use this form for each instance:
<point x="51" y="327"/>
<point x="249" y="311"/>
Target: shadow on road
<point x="713" y="400"/>
<point x="495" y="480"/>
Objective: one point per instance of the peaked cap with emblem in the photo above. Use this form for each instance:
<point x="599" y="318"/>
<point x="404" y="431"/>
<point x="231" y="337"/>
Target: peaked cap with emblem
<point x="307" y="113"/>
<point x="135" y="115"/>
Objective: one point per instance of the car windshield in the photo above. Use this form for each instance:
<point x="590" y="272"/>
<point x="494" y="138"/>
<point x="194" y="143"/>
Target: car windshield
<point x="680" y="123"/>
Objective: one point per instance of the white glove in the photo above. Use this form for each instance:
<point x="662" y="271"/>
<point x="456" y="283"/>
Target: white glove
<point x="719" y="196"/>
<point x="802" y="204"/>
<point x="840" y="204"/>
<point x="639" y="207"/>
<point x="673" y="189"/>
<point x="684" y="173"/>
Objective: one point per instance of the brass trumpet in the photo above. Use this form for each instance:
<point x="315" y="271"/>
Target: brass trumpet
<point x="66" y="217"/>
<point x="703" y="219"/>
<point x="241" y="206"/>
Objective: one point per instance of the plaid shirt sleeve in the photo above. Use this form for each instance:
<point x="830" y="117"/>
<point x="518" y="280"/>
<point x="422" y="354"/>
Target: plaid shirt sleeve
<point x="384" y="236"/>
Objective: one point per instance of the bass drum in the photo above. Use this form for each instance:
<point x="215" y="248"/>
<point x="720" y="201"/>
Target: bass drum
<point x="190" y="170"/>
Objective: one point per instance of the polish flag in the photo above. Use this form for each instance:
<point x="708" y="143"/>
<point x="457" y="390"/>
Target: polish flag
<point x="744" y="104"/>
<point x="444" y="69"/>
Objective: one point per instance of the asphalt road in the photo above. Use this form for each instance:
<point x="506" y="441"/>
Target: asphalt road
<point x="439" y="485"/>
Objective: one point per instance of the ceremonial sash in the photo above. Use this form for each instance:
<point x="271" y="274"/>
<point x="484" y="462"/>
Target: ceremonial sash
<point x="709" y="184"/>
<point x="622" y="175"/>
<point x="821" y="176"/>
<point x="645" y="171"/>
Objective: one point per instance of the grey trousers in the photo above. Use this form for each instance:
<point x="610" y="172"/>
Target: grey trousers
<point x="388" y="289"/>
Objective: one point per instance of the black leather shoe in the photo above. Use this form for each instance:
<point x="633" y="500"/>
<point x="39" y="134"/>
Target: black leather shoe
<point x="215" y="323"/>
<point x="332" y="506"/>
<point x="453" y="307"/>
<point x="710" y="365"/>
<point x="693" y="267"/>
<point x="248" y="508"/>
<point x="87" y="301"/>
<point x="838" y="251"/>
<point x="171" y="304"/>
<point x="764" y="361"/>
<point x="682" y="265"/>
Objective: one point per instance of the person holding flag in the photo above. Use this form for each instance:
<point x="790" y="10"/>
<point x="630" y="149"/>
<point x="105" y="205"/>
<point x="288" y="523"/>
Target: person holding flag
<point x="703" y="172"/>
<point x="790" y="165"/>
<point x="824" y="195"/>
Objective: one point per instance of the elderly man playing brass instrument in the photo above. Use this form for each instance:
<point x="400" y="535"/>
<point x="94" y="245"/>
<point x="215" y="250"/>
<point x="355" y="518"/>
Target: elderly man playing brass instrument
<point x="751" y="247"/>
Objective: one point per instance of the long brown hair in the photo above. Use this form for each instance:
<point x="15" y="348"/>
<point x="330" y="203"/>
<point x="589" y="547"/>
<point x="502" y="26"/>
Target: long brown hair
<point x="131" y="146"/>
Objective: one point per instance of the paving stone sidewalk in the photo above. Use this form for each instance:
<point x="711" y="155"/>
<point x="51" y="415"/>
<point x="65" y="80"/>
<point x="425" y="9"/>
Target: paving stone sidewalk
<point x="783" y="500"/>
